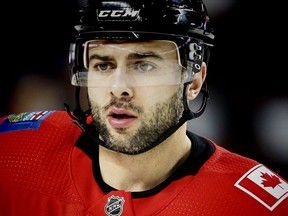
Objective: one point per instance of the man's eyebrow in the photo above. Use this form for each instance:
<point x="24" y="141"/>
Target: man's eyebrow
<point x="144" y="55"/>
<point x="130" y="56"/>
<point x="99" y="57"/>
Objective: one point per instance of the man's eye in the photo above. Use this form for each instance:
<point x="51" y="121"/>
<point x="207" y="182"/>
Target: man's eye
<point x="144" y="66"/>
<point x="102" y="67"/>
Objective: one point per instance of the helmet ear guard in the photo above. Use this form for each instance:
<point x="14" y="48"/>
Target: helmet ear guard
<point x="196" y="55"/>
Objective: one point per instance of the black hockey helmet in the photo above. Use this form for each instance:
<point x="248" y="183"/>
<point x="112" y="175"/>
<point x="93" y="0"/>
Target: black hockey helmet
<point x="183" y="17"/>
<point x="185" y="22"/>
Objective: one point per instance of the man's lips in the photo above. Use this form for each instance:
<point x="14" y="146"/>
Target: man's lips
<point x="120" y="118"/>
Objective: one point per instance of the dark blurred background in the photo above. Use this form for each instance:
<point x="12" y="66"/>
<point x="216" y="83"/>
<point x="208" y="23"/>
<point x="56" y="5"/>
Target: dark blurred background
<point x="247" y="112"/>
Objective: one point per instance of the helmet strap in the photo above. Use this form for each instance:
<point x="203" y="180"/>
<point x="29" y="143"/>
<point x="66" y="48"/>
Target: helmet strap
<point x="78" y="116"/>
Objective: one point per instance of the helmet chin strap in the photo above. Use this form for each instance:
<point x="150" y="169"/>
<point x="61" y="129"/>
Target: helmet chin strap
<point x="79" y="117"/>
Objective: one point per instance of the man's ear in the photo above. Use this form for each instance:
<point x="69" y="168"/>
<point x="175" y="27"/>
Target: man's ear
<point x="195" y="87"/>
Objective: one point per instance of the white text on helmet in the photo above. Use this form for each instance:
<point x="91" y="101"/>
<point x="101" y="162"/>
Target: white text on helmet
<point x="119" y="13"/>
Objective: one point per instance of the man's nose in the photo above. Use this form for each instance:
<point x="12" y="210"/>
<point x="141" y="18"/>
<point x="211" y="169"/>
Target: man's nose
<point x="120" y="87"/>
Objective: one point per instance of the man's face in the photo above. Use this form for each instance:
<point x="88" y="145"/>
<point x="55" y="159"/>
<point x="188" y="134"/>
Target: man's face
<point x="130" y="117"/>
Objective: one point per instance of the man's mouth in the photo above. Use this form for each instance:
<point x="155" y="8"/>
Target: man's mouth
<point x="120" y="118"/>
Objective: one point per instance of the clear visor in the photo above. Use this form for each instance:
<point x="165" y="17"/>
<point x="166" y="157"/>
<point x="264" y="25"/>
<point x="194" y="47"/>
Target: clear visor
<point x="109" y="63"/>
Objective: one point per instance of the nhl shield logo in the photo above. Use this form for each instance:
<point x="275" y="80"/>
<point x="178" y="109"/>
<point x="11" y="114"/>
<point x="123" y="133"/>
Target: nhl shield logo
<point x="114" y="206"/>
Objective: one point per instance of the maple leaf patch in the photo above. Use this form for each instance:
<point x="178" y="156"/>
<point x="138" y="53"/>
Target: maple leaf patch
<point x="270" y="180"/>
<point x="264" y="185"/>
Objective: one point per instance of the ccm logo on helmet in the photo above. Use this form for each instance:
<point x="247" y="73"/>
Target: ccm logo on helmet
<point x="125" y="13"/>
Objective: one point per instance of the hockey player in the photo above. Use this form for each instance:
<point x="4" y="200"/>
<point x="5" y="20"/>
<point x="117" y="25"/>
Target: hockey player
<point x="128" y="152"/>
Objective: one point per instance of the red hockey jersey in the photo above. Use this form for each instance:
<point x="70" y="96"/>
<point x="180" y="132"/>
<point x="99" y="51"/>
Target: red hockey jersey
<point x="44" y="171"/>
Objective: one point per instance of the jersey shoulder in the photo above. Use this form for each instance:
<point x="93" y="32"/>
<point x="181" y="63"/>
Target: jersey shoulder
<point x="31" y="130"/>
<point x="35" y="153"/>
<point x="35" y="120"/>
<point x="249" y="183"/>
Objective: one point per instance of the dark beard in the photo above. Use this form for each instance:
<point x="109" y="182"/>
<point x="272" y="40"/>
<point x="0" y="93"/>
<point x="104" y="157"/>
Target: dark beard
<point x="164" y="116"/>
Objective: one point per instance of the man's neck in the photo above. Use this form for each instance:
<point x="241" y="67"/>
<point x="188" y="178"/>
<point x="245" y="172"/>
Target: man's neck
<point x="147" y="170"/>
